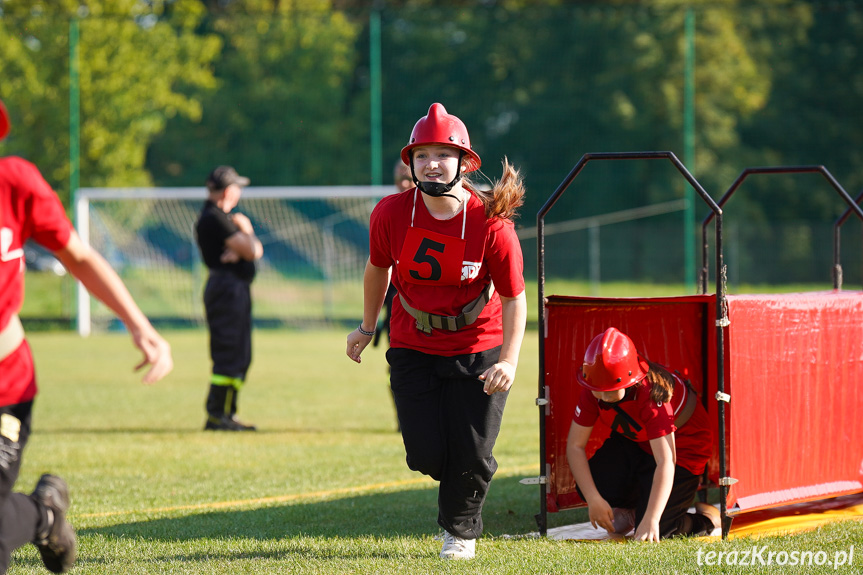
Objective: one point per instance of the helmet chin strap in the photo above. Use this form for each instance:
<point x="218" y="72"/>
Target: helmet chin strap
<point x="435" y="189"/>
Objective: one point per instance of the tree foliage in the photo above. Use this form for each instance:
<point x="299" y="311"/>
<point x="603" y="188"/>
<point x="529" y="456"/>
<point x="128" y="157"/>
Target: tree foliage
<point x="282" y="110"/>
<point x="132" y="65"/>
<point x="282" y="90"/>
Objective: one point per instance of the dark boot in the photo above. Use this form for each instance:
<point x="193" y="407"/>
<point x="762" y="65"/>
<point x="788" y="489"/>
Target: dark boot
<point x="217" y="403"/>
<point x="221" y="406"/>
<point x="232" y="411"/>
<point x="56" y="543"/>
<point x="232" y="414"/>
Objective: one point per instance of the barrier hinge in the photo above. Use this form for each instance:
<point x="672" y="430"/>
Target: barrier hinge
<point x="722" y="397"/>
<point x="541" y="480"/>
<point x="540" y="401"/>
<point x="723" y="322"/>
<point x="727" y="481"/>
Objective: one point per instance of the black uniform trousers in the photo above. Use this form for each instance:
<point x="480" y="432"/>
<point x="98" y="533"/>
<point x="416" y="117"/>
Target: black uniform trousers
<point x="623" y="474"/>
<point x="20" y="517"/>
<point x="228" y="303"/>
<point x="449" y="427"/>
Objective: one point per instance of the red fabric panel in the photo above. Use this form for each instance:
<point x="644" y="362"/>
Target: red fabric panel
<point x="676" y="332"/>
<point x="796" y="384"/>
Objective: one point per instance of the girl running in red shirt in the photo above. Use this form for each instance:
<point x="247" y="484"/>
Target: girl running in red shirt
<point x="458" y="319"/>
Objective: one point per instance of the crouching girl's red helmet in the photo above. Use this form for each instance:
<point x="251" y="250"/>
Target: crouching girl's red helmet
<point x="4" y="121"/>
<point x="611" y="362"/>
<point x="437" y="128"/>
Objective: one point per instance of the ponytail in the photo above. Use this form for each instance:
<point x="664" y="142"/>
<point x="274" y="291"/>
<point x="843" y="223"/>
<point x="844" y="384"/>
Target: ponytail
<point x="661" y="383"/>
<point x="506" y="195"/>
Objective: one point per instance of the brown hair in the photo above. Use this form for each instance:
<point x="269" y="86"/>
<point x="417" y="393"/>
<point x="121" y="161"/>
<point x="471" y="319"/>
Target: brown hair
<point x="505" y="196"/>
<point x="661" y="383"/>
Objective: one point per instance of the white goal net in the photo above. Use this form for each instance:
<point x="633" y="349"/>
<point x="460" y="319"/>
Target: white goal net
<point x="315" y="248"/>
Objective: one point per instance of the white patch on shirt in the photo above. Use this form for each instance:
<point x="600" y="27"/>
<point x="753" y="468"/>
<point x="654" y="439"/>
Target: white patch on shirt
<point x="577" y="410"/>
<point x="6" y="254"/>
<point x="469" y="270"/>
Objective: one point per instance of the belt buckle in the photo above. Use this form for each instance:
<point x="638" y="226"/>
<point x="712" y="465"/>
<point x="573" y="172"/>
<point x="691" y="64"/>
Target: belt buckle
<point x="424" y="326"/>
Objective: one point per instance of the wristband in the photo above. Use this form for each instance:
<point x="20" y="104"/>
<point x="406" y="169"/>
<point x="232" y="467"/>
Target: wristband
<point x="364" y="332"/>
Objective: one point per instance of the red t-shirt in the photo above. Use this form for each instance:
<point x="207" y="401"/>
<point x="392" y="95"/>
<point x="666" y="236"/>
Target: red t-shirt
<point x="29" y="208"/>
<point x="446" y="278"/>
<point x="693" y="441"/>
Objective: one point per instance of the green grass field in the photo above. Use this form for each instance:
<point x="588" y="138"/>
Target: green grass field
<point x="322" y="488"/>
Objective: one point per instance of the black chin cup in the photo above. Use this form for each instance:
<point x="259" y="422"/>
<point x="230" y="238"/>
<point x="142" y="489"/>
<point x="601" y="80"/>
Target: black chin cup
<point x="437" y="190"/>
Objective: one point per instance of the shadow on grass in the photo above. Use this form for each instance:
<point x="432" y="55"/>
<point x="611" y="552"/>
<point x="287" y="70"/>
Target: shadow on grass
<point x="227" y="436"/>
<point x="57" y="431"/>
<point x="311" y="531"/>
<point x="294" y="549"/>
<point x="306" y="531"/>
<point x="510" y="509"/>
<point x="409" y="513"/>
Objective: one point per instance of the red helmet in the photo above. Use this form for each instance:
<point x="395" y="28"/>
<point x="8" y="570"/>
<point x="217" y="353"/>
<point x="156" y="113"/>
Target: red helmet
<point x="438" y="128"/>
<point x="611" y="362"/>
<point x="4" y="121"/>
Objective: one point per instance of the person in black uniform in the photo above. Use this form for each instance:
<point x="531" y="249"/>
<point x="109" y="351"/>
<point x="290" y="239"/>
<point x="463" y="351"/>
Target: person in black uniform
<point x="229" y="248"/>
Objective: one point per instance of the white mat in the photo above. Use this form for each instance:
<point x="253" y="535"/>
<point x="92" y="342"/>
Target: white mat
<point x="586" y="532"/>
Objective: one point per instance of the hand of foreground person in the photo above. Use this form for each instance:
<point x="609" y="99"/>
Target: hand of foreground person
<point x="157" y="354"/>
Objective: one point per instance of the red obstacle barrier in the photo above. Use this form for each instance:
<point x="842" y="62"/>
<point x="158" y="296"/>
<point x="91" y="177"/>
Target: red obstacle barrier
<point x="794" y="374"/>
<point x="788" y="429"/>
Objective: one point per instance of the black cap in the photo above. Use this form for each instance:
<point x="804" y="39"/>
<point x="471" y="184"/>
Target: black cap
<point x="224" y="176"/>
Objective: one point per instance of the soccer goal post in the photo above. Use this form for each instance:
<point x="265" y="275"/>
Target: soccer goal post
<point x="315" y="247"/>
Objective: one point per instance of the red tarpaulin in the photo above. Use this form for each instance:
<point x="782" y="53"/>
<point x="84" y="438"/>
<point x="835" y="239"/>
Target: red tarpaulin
<point x="796" y="383"/>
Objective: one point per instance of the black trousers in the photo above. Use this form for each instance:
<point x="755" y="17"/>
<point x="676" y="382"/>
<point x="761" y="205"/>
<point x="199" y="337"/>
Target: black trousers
<point x="20" y="517"/>
<point x="228" y="303"/>
<point x="449" y="427"/>
<point x="623" y="474"/>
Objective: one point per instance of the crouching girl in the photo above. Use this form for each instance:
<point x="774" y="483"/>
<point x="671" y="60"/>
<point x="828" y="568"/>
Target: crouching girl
<point x="646" y="473"/>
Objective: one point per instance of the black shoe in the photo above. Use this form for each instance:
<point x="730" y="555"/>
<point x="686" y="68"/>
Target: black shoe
<point x="227" y="423"/>
<point x="57" y="543"/>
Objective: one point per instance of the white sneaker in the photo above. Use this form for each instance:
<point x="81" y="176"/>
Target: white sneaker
<point x="457" y="548"/>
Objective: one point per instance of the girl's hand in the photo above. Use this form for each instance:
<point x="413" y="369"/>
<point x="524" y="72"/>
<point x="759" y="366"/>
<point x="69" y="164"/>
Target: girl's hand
<point x="357" y="342"/>
<point x="601" y="515"/>
<point x="648" y="530"/>
<point x="498" y="377"/>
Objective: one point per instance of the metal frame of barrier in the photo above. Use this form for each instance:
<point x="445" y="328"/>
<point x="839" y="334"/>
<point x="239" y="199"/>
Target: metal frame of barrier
<point x="721" y="317"/>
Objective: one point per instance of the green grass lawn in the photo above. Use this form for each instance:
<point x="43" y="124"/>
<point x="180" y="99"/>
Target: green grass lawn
<point x="322" y="488"/>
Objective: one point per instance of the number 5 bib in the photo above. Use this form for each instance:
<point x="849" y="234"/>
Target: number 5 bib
<point x="430" y="258"/>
